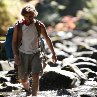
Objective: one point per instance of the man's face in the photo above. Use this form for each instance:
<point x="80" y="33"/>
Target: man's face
<point x="29" y="17"/>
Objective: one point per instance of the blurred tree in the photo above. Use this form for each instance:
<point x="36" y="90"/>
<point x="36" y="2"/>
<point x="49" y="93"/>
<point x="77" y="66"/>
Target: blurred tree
<point x="73" y="6"/>
<point x="9" y="12"/>
<point x="50" y="11"/>
<point x="90" y="11"/>
<point x="87" y="16"/>
<point x="55" y="9"/>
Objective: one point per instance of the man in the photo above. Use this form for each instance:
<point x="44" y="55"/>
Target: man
<point x="27" y="55"/>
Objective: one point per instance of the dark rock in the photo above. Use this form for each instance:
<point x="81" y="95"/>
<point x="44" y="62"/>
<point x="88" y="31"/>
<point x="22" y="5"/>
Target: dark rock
<point x="54" y="81"/>
<point x="60" y="57"/>
<point x="56" y="41"/>
<point x="89" y="65"/>
<point x="4" y="84"/>
<point x="1" y="95"/>
<point x="10" y="73"/>
<point x="82" y="81"/>
<point x="88" y="72"/>
<point x="14" y="79"/>
<point x="94" y="55"/>
<point x="1" y="67"/>
<point x="3" y="80"/>
<point x="84" y="95"/>
<point x="13" y="75"/>
<point x="8" y="89"/>
<point x="84" y="59"/>
<point x="84" y="70"/>
<point x="63" y="92"/>
<point x="91" y="75"/>
<point x="95" y="79"/>
<point x="67" y="68"/>
<point x="51" y="64"/>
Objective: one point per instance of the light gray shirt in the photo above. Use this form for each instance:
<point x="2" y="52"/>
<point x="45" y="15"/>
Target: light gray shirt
<point x="29" y="43"/>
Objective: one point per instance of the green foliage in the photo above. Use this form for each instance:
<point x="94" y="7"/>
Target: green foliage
<point x="49" y="10"/>
<point x="90" y="11"/>
<point x="9" y="10"/>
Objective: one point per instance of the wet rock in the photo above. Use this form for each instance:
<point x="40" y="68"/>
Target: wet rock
<point x="3" y="80"/>
<point x="94" y="55"/>
<point x="67" y="68"/>
<point x="13" y="76"/>
<point x="71" y="60"/>
<point x="89" y="65"/>
<point x="61" y="57"/>
<point x="14" y="79"/>
<point x="63" y="92"/>
<point x="53" y="81"/>
<point x="1" y="67"/>
<point x="1" y="95"/>
<point x="85" y="70"/>
<point x="11" y="72"/>
<point x="91" y="74"/>
<point x="84" y="95"/>
<point x="4" y="84"/>
<point x="88" y="72"/>
<point x="56" y="41"/>
<point x="84" y="59"/>
<point x="8" y="89"/>
<point x="51" y="64"/>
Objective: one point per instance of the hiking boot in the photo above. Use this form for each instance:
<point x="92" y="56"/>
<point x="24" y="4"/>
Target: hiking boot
<point x="28" y="92"/>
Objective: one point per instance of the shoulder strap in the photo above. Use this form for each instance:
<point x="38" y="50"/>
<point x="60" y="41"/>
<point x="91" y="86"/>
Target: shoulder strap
<point x="19" y="32"/>
<point x="38" y="27"/>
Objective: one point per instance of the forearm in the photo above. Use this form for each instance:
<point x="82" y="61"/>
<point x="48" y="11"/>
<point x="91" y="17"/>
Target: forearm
<point x="50" y="45"/>
<point x="15" y="49"/>
<point x="14" y="42"/>
<point x="47" y="38"/>
<point x="16" y="54"/>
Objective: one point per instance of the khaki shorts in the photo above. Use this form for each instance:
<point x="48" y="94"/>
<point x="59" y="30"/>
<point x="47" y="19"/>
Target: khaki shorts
<point x="30" y="63"/>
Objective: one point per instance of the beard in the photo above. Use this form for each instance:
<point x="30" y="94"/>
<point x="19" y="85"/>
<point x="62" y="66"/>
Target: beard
<point x="28" y="22"/>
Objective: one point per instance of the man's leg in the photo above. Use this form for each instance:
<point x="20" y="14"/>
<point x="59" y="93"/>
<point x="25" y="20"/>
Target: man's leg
<point x="26" y="86"/>
<point x="25" y="83"/>
<point x="35" y="83"/>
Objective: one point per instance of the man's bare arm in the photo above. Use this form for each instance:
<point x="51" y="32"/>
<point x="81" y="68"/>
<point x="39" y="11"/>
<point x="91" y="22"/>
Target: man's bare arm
<point x="48" y="41"/>
<point x="14" y="42"/>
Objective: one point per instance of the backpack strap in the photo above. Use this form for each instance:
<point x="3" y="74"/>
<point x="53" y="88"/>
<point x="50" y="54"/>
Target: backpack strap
<point x="38" y="27"/>
<point x="19" y="32"/>
<point x="18" y="28"/>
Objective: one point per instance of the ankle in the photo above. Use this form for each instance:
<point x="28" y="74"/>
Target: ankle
<point x="26" y="85"/>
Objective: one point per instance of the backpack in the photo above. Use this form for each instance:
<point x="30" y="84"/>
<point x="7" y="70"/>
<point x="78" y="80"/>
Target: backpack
<point x="8" y="42"/>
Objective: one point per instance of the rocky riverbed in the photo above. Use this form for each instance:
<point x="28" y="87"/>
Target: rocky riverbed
<point x="76" y="48"/>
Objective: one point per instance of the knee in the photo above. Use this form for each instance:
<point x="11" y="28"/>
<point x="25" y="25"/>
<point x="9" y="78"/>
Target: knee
<point x="23" y="80"/>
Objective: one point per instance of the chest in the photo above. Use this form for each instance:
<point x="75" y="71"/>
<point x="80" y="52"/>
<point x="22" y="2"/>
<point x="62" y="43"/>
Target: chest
<point x="29" y="31"/>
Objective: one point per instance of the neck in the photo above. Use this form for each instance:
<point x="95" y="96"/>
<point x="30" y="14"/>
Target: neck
<point x="28" y="23"/>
